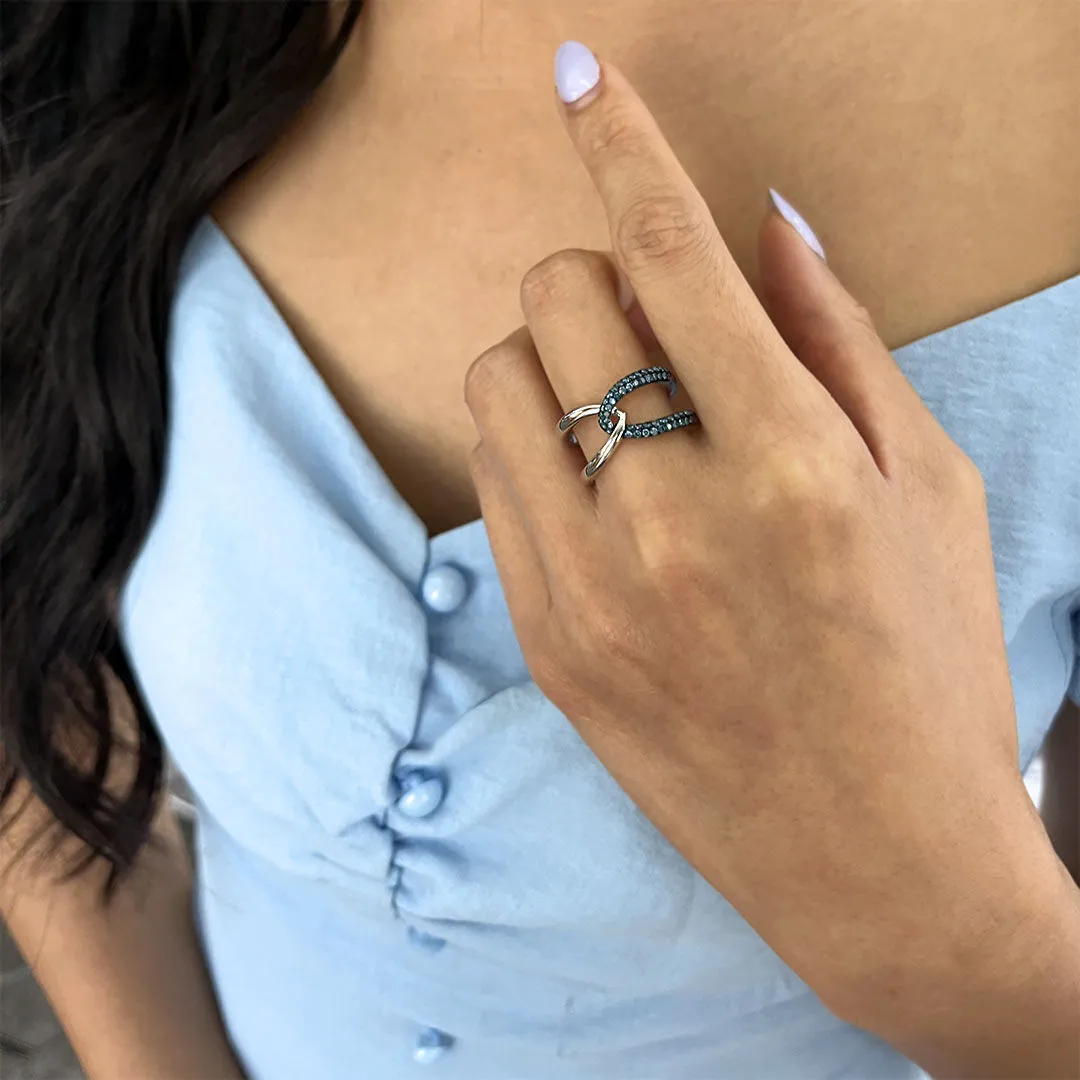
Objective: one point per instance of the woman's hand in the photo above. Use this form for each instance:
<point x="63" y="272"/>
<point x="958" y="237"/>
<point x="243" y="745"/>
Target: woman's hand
<point x="778" y="629"/>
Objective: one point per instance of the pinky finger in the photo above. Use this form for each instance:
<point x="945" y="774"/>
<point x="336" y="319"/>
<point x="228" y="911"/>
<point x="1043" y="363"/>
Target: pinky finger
<point x="521" y="571"/>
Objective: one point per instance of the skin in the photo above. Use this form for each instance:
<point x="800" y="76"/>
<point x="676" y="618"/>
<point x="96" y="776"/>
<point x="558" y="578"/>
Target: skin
<point x="395" y="223"/>
<point x="127" y="982"/>
<point x="861" y="807"/>
<point x="931" y="145"/>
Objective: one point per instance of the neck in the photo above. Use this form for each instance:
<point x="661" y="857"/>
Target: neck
<point x="436" y="142"/>
<point x="470" y="70"/>
<point x="392" y="225"/>
<point x="497" y="44"/>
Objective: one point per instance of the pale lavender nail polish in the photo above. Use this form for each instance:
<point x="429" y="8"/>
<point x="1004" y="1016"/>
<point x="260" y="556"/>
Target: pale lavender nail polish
<point x="576" y="71"/>
<point x="797" y="222"/>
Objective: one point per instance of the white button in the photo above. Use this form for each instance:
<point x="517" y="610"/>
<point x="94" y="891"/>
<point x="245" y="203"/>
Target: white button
<point x="444" y="588"/>
<point x="421" y="794"/>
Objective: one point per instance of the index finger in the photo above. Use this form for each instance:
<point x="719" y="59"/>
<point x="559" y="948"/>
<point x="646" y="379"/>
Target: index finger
<point x="701" y="308"/>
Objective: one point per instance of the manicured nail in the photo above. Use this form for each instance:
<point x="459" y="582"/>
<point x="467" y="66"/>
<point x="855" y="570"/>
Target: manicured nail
<point x="576" y="71"/>
<point x="796" y="221"/>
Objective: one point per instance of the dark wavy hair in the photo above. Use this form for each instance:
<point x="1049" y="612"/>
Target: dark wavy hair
<point x="121" y="122"/>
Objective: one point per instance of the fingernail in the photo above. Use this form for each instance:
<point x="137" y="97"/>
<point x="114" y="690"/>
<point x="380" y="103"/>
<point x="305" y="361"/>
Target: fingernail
<point x="576" y="71"/>
<point x="797" y="222"/>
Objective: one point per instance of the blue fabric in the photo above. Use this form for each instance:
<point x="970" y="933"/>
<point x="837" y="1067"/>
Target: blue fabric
<point x="518" y="918"/>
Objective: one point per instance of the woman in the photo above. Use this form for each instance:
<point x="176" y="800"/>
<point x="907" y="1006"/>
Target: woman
<point x="241" y="500"/>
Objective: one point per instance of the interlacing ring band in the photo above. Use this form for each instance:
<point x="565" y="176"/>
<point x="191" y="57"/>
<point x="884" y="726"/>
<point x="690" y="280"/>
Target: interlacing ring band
<point x="612" y="420"/>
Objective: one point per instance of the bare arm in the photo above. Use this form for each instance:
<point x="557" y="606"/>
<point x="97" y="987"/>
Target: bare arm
<point x="127" y="980"/>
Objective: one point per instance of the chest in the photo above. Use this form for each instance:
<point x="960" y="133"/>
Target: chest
<point x="932" y="148"/>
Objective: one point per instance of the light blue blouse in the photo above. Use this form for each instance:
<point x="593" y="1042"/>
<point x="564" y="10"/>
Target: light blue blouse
<point x="406" y="855"/>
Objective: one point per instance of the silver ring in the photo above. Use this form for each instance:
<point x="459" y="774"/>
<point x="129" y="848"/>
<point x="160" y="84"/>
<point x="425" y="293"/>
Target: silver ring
<point x="575" y="416"/>
<point x="612" y="420"/>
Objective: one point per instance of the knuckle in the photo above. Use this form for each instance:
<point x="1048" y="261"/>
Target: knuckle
<point x="963" y="477"/>
<point x="938" y="470"/>
<point x="485" y="376"/>
<point x="782" y="477"/>
<point x="816" y="502"/>
<point x="551" y="282"/>
<point x="812" y="490"/>
<point x="667" y="549"/>
<point x="662" y="231"/>
<point x="614" y="131"/>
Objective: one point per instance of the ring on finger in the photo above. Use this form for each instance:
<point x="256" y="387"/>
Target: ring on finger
<point x="613" y="422"/>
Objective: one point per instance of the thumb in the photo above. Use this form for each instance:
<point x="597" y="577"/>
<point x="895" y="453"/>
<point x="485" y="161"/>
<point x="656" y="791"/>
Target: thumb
<point x="832" y="334"/>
